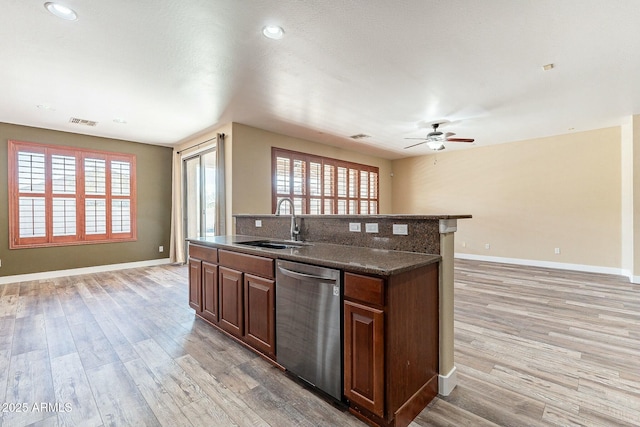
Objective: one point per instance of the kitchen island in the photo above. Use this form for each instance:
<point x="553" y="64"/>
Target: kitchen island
<point x="430" y="234"/>
<point x="389" y="317"/>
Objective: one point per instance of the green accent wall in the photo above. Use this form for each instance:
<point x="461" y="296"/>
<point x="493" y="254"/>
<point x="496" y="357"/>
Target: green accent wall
<point x="153" y="167"/>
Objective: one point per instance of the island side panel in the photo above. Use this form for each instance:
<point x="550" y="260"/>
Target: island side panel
<point x="448" y="379"/>
<point x="412" y="340"/>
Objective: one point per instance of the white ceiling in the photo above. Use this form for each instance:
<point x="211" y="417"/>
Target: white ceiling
<point x="175" y="68"/>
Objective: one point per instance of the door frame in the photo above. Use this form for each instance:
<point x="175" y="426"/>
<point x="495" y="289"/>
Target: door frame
<point x="202" y="195"/>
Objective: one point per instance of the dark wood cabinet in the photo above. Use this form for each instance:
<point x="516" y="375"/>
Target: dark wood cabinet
<point x="391" y="344"/>
<point x="195" y="284"/>
<point x="364" y="356"/>
<point x="236" y="293"/>
<point x="201" y="261"/>
<point x="210" y="292"/>
<point x="390" y="327"/>
<point x="231" y="301"/>
<point x="259" y="313"/>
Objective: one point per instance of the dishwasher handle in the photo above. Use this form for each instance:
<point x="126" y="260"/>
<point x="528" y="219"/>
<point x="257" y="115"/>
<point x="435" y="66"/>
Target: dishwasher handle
<point x="304" y="276"/>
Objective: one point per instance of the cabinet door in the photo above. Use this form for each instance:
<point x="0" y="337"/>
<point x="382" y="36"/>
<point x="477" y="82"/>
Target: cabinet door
<point x="259" y="313"/>
<point x="210" y="291"/>
<point x="231" y="301"/>
<point x="195" y="284"/>
<point x="364" y="356"/>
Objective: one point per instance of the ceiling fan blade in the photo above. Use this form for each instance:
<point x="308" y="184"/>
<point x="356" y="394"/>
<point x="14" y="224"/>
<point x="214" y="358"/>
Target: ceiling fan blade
<point x="460" y="140"/>
<point x="423" y="139"/>
<point x="419" y="143"/>
<point x="447" y="135"/>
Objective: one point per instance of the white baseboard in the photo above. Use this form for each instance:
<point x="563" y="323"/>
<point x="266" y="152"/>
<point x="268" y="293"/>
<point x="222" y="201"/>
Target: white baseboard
<point x="547" y="264"/>
<point x="632" y="278"/>
<point x="446" y="383"/>
<point x="45" y="275"/>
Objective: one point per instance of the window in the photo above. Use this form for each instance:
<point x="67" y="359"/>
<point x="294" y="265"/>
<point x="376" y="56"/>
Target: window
<point x="320" y="185"/>
<point x="65" y="195"/>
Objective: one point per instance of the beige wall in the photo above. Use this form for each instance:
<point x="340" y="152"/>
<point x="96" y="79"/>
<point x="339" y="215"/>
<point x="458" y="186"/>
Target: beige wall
<point x="248" y="166"/>
<point x="630" y="164"/>
<point x="526" y="198"/>
<point x="251" y="175"/>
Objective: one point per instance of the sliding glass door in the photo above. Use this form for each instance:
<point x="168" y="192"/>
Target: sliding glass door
<point x="200" y="195"/>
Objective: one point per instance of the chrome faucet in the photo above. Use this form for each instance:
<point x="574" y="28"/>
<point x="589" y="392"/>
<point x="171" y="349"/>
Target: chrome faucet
<point x="295" y="230"/>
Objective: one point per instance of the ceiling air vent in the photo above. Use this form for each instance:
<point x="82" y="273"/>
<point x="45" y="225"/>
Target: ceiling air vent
<point x="77" y="121"/>
<point x="360" y="136"/>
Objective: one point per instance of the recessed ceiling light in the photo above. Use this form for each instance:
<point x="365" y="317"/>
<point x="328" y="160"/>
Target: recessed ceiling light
<point x="45" y="107"/>
<point x="122" y="121"/>
<point x="273" y="32"/>
<point x="61" y="11"/>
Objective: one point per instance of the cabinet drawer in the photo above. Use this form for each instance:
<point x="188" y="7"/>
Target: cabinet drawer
<point x="203" y="253"/>
<point x="364" y="288"/>
<point x="260" y="266"/>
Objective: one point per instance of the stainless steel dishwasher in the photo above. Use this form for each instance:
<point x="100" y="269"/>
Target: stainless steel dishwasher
<point x="308" y="333"/>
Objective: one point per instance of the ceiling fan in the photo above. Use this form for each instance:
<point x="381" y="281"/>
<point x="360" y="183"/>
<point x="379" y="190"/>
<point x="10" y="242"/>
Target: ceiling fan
<point x="436" y="139"/>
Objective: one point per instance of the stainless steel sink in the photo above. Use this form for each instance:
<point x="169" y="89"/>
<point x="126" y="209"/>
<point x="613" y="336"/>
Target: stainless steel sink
<point x="273" y="244"/>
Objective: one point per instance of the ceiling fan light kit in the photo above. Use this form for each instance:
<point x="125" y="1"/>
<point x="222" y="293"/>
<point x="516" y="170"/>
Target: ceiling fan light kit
<point x="435" y="145"/>
<point x="435" y="140"/>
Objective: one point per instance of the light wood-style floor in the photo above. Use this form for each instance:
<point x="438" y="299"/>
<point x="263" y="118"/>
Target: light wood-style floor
<point x="540" y="347"/>
<point x="533" y="347"/>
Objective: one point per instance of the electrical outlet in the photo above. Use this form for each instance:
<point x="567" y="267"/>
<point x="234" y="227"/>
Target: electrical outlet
<point x="371" y="227"/>
<point x="355" y="226"/>
<point x="557" y="251"/>
<point x="464" y="244"/>
<point x="160" y="248"/>
<point x="258" y="223"/>
<point x="0" y="263"/>
<point x="487" y="246"/>
<point x="401" y="229"/>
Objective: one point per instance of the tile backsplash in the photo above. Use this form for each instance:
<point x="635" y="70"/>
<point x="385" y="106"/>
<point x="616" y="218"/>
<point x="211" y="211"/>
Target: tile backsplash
<point x="411" y="233"/>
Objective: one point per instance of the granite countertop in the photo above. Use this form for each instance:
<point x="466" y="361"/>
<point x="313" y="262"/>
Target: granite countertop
<point x="372" y="217"/>
<point x="349" y="258"/>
